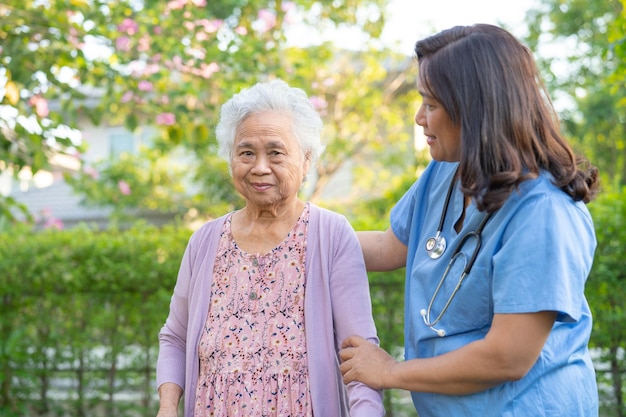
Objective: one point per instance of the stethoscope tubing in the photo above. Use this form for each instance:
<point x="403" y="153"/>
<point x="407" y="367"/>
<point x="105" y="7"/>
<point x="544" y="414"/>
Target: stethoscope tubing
<point x="479" y="240"/>
<point x="466" y="270"/>
<point x="436" y="246"/>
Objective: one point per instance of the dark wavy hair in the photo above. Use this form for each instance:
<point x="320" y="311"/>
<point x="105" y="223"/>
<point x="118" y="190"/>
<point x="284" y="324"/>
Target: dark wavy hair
<point x="489" y="84"/>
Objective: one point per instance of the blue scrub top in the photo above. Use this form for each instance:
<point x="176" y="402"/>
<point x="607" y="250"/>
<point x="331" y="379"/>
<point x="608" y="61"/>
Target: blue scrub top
<point x="536" y="254"/>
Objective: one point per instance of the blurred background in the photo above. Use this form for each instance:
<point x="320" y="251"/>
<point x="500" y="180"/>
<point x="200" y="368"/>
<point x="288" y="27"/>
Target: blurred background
<point x="108" y="163"/>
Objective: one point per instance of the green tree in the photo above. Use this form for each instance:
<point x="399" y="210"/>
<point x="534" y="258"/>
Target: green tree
<point x="585" y="69"/>
<point x="606" y="290"/>
<point x="170" y="65"/>
<point x="387" y="288"/>
<point x="30" y="130"/>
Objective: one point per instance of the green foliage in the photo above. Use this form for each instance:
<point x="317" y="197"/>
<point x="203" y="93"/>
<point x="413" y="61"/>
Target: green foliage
<point x="34" y="50"/>
<point x="170" y="65"/>
<point x="606" y="292"/>
<point x="370" y="99"/>
<point x="387" y="289"/>
<point x="588" y="80"/>
<point x="8" y="208"/>
<point x="80" y="311"/>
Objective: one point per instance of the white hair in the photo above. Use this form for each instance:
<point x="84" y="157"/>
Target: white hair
<point x="273" y="96"/>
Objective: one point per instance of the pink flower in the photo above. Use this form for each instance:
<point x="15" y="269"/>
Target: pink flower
<point x="289" y="8"/>
<point x="92" y="172"/>
<point x="208" y="70"/>
<point x="144" y="44"/>
<point x="199" y="3"/>
<point x="267" y="18"/>
<point x="128" y="26"/>
<point x="166" y="119"/>
<point x="122" y="44"/>
<point x="123" y="187"/>
<point x="176" y="4"/>
<point x="145" y="85"/>
<point x="49" y="221"/>
<point x="128" y="96"/>
<point x="41" y="106"/>
<point x="72" y="37"/>
<point x="241" y="30"/>
<point x="318" y="102"/>
<point x="211" y="26"/>
<point x="53" y="223"/>
<point x="151" y="69"/>
<point x="201" y="36"/>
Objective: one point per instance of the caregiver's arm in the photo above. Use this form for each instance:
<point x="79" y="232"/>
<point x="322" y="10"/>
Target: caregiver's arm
<point x="507" y="353"/>
<point x="382" y="250"/>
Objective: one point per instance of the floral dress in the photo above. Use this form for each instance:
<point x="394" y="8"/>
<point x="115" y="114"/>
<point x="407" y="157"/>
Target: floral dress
<point x="253" y="359"/>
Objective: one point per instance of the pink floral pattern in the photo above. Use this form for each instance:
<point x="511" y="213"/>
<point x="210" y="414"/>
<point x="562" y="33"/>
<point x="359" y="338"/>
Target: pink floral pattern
<point x="253" y="358"/>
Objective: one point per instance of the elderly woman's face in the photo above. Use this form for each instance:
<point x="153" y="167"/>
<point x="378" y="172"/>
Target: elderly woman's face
<point x="267" y="162"/>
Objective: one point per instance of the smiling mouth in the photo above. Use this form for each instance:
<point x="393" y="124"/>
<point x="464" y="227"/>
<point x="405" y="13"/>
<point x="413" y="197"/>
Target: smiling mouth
<point x="261" y="187"/>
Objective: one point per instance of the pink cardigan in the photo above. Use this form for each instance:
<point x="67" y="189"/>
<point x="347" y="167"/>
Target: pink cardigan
<point x="337" y="304"/>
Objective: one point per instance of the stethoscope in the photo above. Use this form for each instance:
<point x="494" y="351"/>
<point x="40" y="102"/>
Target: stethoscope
<point x="436" y="246"/>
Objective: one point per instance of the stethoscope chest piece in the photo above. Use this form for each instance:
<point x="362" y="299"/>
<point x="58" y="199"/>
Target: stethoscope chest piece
<point x="435" y="246"/>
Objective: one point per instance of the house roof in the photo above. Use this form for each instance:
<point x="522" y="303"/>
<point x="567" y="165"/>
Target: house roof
<point x="58" y="202"/>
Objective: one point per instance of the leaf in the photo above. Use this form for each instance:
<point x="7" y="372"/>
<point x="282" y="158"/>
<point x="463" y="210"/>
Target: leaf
<point x="132" y="122"/>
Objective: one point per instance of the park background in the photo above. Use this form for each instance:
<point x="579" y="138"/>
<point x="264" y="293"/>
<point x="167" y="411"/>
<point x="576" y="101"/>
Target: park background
<point x="81" y="302"/>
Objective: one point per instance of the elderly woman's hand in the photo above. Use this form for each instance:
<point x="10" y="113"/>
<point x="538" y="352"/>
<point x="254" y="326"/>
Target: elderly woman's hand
<point x="365" y="362"/>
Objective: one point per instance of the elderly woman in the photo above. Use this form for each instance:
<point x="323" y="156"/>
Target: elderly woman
<point x="266" y="294"/>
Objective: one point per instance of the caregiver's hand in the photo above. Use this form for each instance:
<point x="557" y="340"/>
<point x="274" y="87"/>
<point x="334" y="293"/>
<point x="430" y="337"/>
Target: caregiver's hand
<point x="365" y="362"/>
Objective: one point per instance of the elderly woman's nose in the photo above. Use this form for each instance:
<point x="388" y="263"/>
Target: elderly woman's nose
<point x="261" y="164"/>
